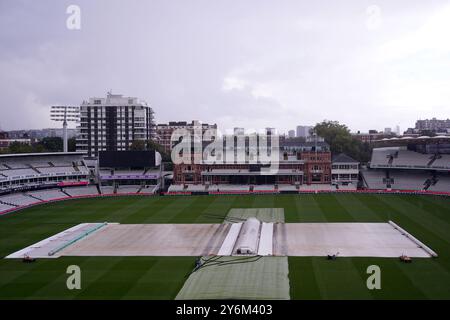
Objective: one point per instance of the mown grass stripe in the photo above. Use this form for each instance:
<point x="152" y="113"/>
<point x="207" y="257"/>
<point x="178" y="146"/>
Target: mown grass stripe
<point x="302" y="279"/>
<point x="426" y="218"/>
<point x="332" y="209"/>
<point x="357" y="209"/>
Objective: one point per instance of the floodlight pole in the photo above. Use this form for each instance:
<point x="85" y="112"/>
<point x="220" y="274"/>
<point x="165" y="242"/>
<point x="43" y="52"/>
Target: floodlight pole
<point x="64" y="114"/>
<point x="65" y="144"/>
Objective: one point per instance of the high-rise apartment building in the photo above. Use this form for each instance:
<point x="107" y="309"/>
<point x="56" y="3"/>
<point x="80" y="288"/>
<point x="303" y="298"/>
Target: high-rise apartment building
<point x="164" y="131"/>
<point x="433" y="124"/>
<point x="113" y="123"/>
<point x="304" y="131"/>
<point x="291" y="134"/>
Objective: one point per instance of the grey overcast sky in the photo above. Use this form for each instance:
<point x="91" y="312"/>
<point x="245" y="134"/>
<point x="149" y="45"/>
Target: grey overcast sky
<point x="247" y="63"/>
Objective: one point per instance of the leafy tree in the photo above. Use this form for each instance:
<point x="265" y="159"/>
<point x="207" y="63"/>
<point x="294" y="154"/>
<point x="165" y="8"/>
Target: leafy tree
<point x="72" y="144"/>
<point x="18" y="147"/>
<point x="138" y="145"/>
<point x="37" y="148"/>
<point x="52" y="144"/>
<point x="156" y="146"/>
<point x="341" y="141"/>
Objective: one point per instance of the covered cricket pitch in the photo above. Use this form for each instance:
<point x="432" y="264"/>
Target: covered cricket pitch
<point x="238" y="235"/>
<point x="58" y="229"/>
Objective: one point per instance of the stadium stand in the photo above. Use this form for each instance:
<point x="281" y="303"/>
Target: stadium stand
<point x="287" y="187"/>
<point x="382" y="156"/>
<point x="15" y="165"/>
<point x="349" y="187"/>
<point x="46" y="195"/>
<point x="58" y="170"/>
<point x="18" y="199"/>
<point x="122" y="189"/>
<point x="264" y="187"/>
<point x="59" y="163"/>
<point x="410" y="159"/>
<point x="81" y="191"/>
<point x="401" y="158"/>
<point x="107" y="189"/>
<point x="176" y="188"/>
<point x="19" y="173"/>
<point x="317" y="187"/>
<point x="373" y="179"/>
<point x="229" y="187"/>
<point x="402" y="180"/>
<point x="442" y="184"/>
<point x="30" y="171"/>
<point x="441" y="162"/>
<point x="148" y="189"/>
<point x="5" y="207"/>
<point x="195" y="188"/>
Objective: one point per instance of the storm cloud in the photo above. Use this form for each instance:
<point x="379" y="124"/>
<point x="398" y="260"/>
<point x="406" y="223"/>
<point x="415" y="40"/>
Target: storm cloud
<point x="251" y="64"/>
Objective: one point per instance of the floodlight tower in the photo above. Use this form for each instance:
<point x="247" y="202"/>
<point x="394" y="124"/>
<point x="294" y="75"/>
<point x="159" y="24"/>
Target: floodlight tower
<point x="65" y="114"/>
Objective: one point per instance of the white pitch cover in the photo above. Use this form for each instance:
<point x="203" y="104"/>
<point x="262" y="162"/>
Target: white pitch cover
<point x="228" y="244"/>
<point x="266" y="240"/>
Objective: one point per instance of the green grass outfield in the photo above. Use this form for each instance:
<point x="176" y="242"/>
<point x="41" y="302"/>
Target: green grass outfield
<point x="426" y="217"/>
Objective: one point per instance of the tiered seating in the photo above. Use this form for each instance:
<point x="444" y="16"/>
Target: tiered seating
<point x="443" y="162"/>
<point x="5" y="207"/>
<point x="318" y="187"/>
<point x="149" y="189"/>
<point x="48" y="194"/>
<point x="57" y="170"/>
<point x="411" y="159"/>
<point x="229" y="187"/>
<point x="19" y="173"/>
<point x="176" y="188"/>
<point x="374" y="179"/>
<point x="40" y="164"/>
<point x="408" y="180"/>
<point x="381" y="156"/>
<point x="443" y="184"/>
<point x="107" y="189"/>
<point x="82" y="191"/>
<point x="25" y="171"/>
<point x="264" y="187"/>
<point x="397" y="158"/>
<point x="128" y="189"/>
<point x="287" y="187"/>
<point x="349" y="187"/>
<point x="18" y="199"/>
<point x="61" y="163"/>
<point x="15" y="165"/>
<point x="195" y="187"/>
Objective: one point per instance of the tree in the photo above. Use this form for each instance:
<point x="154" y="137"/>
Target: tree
<point x="72" y="144"/>
<point x="341" y="141"/>
<point x="138" y="145"/>
<point x="47" y="144"/>
<point x="52" y="144"/>
<point x="156" y="146"/>
<point x="18" y="147"/>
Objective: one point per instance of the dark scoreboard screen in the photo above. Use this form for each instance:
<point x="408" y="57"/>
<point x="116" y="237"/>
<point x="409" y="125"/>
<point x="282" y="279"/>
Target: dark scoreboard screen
<point x="127" y="159"/>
